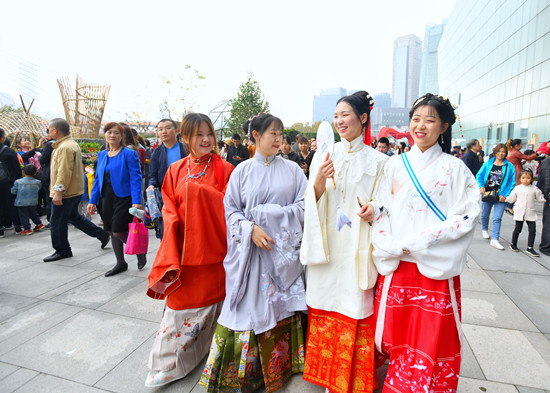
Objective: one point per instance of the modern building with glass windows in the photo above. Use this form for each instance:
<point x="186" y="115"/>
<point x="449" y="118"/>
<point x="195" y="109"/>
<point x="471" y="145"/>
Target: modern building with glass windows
<point x="494" y="63"/>
<point x="324" y="103"/>
<point x="407" y="57"/>
<point x="429" y="70"/>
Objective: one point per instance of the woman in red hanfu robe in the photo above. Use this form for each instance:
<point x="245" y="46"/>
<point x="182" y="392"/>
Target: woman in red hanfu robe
<point x="188" y="269"/>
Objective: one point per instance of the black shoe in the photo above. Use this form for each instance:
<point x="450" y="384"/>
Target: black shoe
<point x="1" y="233"/>
<point x="142" y="261"/>
<point x="105" y="237"/>
<point x="56" y="256"/>
<point x="117" y="269"/>
<point x="531" y="251"/>
<point x="17" y="230"/>
<point x="514" y="248"/>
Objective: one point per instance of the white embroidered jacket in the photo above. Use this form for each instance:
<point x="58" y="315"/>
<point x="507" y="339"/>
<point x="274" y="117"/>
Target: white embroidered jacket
<point x="407" y="222"/>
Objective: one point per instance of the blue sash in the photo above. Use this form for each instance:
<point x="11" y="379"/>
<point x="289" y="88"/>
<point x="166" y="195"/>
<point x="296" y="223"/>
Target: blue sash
<point x="420" y="190"/>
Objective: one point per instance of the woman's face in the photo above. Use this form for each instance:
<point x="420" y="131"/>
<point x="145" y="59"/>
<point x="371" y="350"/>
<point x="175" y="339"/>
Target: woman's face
<point x="203" y="141"/>
<point x="346" y="122"/>
<point x="304" y="147"/>
<point x="113" y="137"/>
<point x="426" y="127"/>
<point x="270" y="141"/>
<point x="501" y="154"/>
<point x="285" y="147"/>
<point x="314" y="145"/>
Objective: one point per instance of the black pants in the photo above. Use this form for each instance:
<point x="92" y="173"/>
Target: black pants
<point x="517" y="230"/>
<point x="545" y="237"/>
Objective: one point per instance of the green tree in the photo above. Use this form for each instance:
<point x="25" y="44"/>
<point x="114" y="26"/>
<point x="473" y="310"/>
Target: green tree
<point x="250" y="101"/>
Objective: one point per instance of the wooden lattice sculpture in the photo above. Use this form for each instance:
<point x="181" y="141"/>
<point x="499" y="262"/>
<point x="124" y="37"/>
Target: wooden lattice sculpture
<point x="83" y="106"/>
<point x="20" y="124"/>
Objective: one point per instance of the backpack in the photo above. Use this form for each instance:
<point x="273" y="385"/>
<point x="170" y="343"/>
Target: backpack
<point x="4" y="173"/>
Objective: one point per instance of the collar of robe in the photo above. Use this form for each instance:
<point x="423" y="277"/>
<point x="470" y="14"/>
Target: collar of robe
<point x="264" y="160"/>
<point x="417" y="155"/>
<point x="355" y="145"/>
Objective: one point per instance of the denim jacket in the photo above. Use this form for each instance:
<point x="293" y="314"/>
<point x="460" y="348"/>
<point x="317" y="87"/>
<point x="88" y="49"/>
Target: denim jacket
<point x="26" y="190"/>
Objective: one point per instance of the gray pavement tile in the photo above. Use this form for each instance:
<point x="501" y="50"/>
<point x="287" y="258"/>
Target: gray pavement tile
<point x="507" y="356"/>
<point x="49" y="384"/>
<point x="523" y="389"/>
<point x="23" y="327"/>
<point x="136" y="304"/>
<point x="530" y="293"/>
<point x="95" y="293"/>
<point x="471" y="263"/>
<point x="470" y="385"/>
<point x="13" y="304"/>
<point x="491" y="309"/>
<point x="469" y="367"/>
<point x="70" y="285"/>
<point x="489" y="258"/>
<point x="477" y="280"/>
<point x="129" y="375"/>
<point x="25" y="248"/>
<point x="17" y="379"/>
<point x="8" y="265"/>
<point x="6" y="370"/>
<point x="541" y="343"/>
<point x="39" y="279"/>
<point x="84" y="348"/>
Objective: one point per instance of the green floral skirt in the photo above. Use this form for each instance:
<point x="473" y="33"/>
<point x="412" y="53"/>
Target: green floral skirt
<point x="242" y="362"/>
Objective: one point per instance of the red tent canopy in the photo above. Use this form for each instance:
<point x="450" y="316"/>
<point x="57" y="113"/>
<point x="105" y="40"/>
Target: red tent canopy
<point x="385" y="131"/>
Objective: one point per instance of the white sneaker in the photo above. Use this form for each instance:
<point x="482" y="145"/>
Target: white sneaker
<point x="160" y="378"/>
<point x="494" y="243"/>
<point x="485" y="234"/>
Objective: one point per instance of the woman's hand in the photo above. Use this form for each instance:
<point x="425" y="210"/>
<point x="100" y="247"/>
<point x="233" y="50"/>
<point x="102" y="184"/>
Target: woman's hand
<point x="169" y="276"/>
<point x="91" y="209"/>
<point x="366" y="213"/>
<point x="482" y="190"/>
<point x="137" y="206"/>
<point x="260" y="238"/>
<point x="501" y="198"/>
<point x="326" y="171"/>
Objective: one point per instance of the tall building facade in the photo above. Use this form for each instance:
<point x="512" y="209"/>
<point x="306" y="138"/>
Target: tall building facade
<point x="382" y="100"/>
<point x="429" y="69"/>
<point x="324" y="103"/>
<point x="407" y="58"/>
<point x="494" y="63"/>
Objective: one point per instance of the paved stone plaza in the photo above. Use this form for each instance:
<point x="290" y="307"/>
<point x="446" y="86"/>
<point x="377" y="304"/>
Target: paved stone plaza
<point x="64" y="327"/>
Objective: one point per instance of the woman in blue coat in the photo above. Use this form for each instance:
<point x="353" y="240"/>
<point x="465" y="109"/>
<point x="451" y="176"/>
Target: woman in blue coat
<point x="497" y="177"/>
<point x="118" y="184"/>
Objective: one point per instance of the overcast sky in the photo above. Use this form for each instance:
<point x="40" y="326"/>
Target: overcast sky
<point x="293" y="48"/>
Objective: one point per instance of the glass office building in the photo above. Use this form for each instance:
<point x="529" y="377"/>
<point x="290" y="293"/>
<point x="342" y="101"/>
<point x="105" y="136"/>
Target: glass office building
<point x="407" y="57"/>
<point x="494" y="63"/>
<point x="428" y="70"/>
<point x="324" y="103"/>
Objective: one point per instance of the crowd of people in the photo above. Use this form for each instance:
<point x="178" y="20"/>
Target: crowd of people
<point x="276" y="259"/>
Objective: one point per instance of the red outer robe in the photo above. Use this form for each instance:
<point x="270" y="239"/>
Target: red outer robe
<point x="194" y="242"/>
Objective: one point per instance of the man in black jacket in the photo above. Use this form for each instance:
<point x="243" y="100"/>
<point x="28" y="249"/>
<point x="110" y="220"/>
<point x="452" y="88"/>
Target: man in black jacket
<point x="237" y="153"/>
<point x="8" y="212"/>
<point x="470" y="158"/>
<point x="544" y="184"/>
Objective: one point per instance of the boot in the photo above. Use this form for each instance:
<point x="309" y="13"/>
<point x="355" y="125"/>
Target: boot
<point x="118" y="248"/>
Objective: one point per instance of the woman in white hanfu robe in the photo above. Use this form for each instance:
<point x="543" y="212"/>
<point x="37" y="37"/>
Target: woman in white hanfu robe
<point x="430" y="207"/>
<point x="259" y="339"/>
<point x="336" y="250"/>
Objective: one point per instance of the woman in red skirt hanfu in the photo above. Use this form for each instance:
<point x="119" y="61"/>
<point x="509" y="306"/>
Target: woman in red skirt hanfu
<point x="431" y="204"/>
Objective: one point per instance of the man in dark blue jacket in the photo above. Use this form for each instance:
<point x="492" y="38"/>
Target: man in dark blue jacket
<point x="470" y="158"/>
<point x="167" y="153"/>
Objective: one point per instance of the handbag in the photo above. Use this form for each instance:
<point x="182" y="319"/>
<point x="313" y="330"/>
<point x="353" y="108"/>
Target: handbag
<point x="490" y="196"/>
<point x="138" y="238"/>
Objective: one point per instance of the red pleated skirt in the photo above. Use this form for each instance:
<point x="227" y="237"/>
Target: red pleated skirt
<point x="420" y="335"/>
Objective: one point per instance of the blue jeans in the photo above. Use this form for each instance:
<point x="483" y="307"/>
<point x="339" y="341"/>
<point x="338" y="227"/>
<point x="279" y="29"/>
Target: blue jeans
<point x="68" y="213"/>
<point x="26" y="212"/>
<point x="497" y="217"/>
